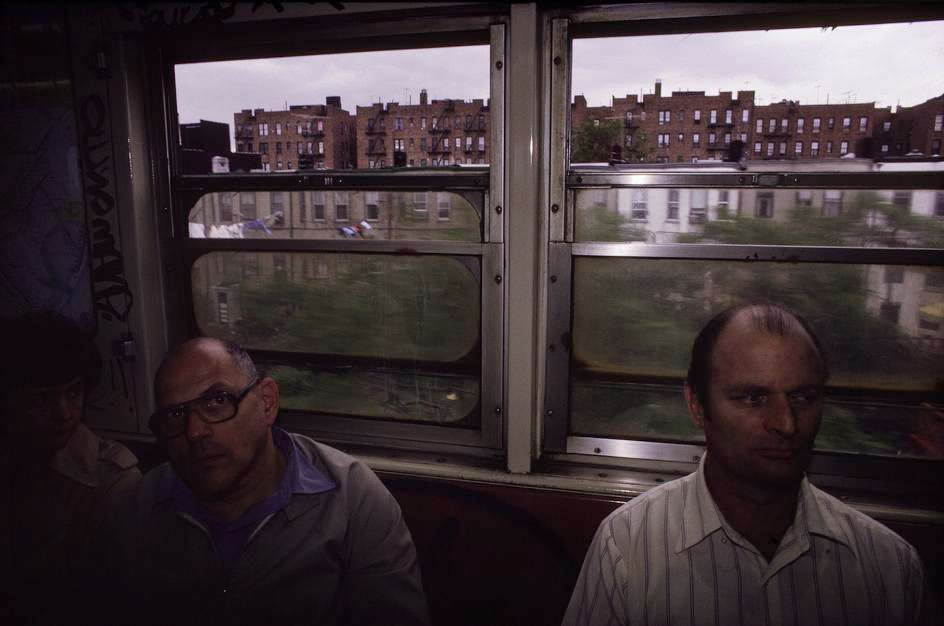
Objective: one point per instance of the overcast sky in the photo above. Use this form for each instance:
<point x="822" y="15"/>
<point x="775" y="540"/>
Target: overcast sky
<point x="888" y="64"/>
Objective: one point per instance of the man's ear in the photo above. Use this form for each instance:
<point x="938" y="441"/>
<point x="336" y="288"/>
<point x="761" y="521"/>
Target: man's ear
<point x="694" y="407"/>
<point x="270" y="399"/>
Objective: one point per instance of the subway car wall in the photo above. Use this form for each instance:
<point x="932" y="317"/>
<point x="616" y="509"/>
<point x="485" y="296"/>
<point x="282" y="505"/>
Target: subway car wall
<point x="480" y="266"/>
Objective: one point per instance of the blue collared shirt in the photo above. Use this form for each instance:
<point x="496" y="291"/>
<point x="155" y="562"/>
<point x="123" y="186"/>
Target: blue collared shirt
<point x="229" y="537"/>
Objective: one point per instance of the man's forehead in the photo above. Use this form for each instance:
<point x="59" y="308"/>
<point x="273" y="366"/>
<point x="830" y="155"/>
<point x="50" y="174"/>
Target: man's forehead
<point x="197" y="363"/>
<point x="744" y="329"/>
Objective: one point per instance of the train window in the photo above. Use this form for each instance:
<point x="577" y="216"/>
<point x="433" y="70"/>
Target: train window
<point x="649" y="249"/>
<point x="370" y="215"/>
<point x="352" y="275"/>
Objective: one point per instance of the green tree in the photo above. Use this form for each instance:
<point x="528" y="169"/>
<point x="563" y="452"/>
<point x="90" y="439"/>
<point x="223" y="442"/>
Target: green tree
<point x="592" y="142"/>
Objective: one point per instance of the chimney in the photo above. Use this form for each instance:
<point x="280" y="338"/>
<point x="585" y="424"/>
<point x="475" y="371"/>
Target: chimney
<point x="658" y="88"/>
<point x="424" y="99"/>
<point x="333" y="101"/>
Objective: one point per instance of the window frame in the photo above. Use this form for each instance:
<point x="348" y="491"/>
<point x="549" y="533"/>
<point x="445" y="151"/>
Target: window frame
<point x="564" y="451"/>
<point x="178" y="192"/>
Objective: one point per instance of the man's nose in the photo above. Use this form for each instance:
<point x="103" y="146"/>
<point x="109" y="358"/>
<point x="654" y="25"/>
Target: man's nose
<point x="196" y="427"/>
<point x="782" y="416"/>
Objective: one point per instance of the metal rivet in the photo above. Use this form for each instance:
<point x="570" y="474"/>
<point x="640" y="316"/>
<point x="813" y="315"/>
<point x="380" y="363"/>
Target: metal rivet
<point x="740" y="180"/>
<point x="498" y="278"/>
<point x="580" y="179"/>
<point x="596" y="450"/>
<point x="498" y="65"/>
<point x="557" y="61"/>
<point x="498" y="209"/>
<point x="553" y="279"/>
<point x="554" y="208"/>
<point x="498" y="410"/>
<point x="551" y="348"/>
<point x="549" y="412"/>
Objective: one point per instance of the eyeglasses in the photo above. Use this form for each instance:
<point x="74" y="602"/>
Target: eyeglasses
<point x="214" y="407"/>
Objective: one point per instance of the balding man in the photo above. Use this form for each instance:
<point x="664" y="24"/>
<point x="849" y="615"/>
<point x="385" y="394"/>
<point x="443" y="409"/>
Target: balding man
<point x="249" y="524"/>
<point x="746" y="539"/>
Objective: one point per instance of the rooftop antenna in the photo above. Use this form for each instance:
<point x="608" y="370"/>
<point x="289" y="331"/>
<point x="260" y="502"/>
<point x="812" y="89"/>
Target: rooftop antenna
<point x="817" y="93"/>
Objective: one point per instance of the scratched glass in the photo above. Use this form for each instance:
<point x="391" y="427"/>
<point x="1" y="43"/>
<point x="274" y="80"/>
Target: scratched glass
<point x="882" y="328"/>
<point x="380" y="335"/>
<point x="305" y="113"/>
<point x="338" y="215"/>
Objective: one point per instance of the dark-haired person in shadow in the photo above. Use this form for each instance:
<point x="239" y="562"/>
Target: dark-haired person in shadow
<point x="59" y="481"/>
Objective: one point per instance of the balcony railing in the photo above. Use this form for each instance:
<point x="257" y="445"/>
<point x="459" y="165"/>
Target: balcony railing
<point x="244" y="133"/>
<point x="376" y="149"/>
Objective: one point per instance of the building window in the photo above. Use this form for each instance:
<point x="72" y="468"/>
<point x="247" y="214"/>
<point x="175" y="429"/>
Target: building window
<point x="831" y="123"/>
<point x="784" y="124"/>
<point x="318" y="206"/>
<point x="723" y="200"/>
<point x="423" y="123"/>
<point x="419" y="202"/>
<point x="696" y="115"/>
<point x="711" y="139"/>
<point x="673" y="207"/>
<point x="247" y="205"/>
<point x="696" y="139"/>
<point x="458" y="143"/>
<point x="890" y="311"/>
<point x="248" y="147"/>
<point x="745" y="116"/>
<point x="816" y="122"/>
<point x="771" y="125"/>
<point x="398" y="123"/>
<point x="764" y="206"/>
<point x="340" y="206"/>
<point x="222" y="307"/>
<point x="665" y="117"/>
<point x="829" y="147"/>
<point x="278" y="128"/>
<point x="798" y="148"/>
<point x="744" y="138"/>
<point x="843" y="148"/>
<point x="902" y="200"/>
<point x="301" y="147"/>
<point x="894" y="275"/>
<point x="320" y="147"/>
<point x="713" y="116"/>
<point x="698" y="211"/>
<point x="757" y="147"/>
<point x="783" y="148"/>
<point x="663" y="140"/>
<point x="938" y="122"/>
<point x="758" y="125"/>
<point x="278" y="147"/>
<point x="681" y="138"/>
<point x="482" y="143"/>
<point x="800" y="123"/>
<point x="832" y="203"/>
<point x="302" y="208"/>
<point x="727" y="139"/>
<point x="814" y="148"/>
<point x="770" y="148"/>
<point x="264" y="146"/>
<point x="728" y="116"/>
<point x="373" y="205"/>
<point x="226" y="207"/>
<point x="846" y="123"/>
<point x="863" y="124"/>
<point x="443" y="205"/>
<point x="640" y="208"/>
<point x="886" y="126"/>
<point x="263" y="129"/>
<point x="278" y="165"/>
<point x="884" y="148"/>
<point x="804" y="198"/>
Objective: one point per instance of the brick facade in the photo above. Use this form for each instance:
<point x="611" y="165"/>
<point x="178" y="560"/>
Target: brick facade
<point x="690" y="125"/>
<point x="441" y="132"/>
<point x="306" y="136"/>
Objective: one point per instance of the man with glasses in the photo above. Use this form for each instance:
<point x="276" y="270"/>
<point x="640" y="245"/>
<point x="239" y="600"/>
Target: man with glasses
<point x="58" y="479"/>
<point x="746" y="539"/>
<point x="250" y="524"/>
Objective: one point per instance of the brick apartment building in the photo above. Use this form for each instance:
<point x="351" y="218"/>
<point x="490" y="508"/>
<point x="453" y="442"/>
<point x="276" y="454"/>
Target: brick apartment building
<point x="441" y="132"/>
<point x="690" y="126"/>
<point x="304" y="137"/>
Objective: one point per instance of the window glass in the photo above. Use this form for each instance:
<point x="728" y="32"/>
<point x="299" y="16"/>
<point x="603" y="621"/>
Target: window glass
<point x="343" y="114"/>
<point x="634" y="323"/>
<point x="376" y="215"/>
<point x="388" y="336"/>
<point x="627" y="100"/>
<point x="795" y="217"/>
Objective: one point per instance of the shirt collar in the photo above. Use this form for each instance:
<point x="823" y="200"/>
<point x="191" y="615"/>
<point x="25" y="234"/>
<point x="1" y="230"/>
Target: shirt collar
<point x="78" y="460"/>
<point x="703" y="518"/>
<point x="701" y="515"/>
<point x="301" y="477"/>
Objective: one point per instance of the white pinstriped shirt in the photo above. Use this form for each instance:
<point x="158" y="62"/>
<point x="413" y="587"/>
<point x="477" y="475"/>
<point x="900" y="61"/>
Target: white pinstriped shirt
<point x="668" y="557"/>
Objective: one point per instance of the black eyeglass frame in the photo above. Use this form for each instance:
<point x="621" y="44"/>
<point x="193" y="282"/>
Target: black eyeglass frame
<point x="158" y="416"/>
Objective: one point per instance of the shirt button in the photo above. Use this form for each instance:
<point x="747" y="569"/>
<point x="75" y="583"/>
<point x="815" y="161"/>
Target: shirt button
<point x="724" y="540"/>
